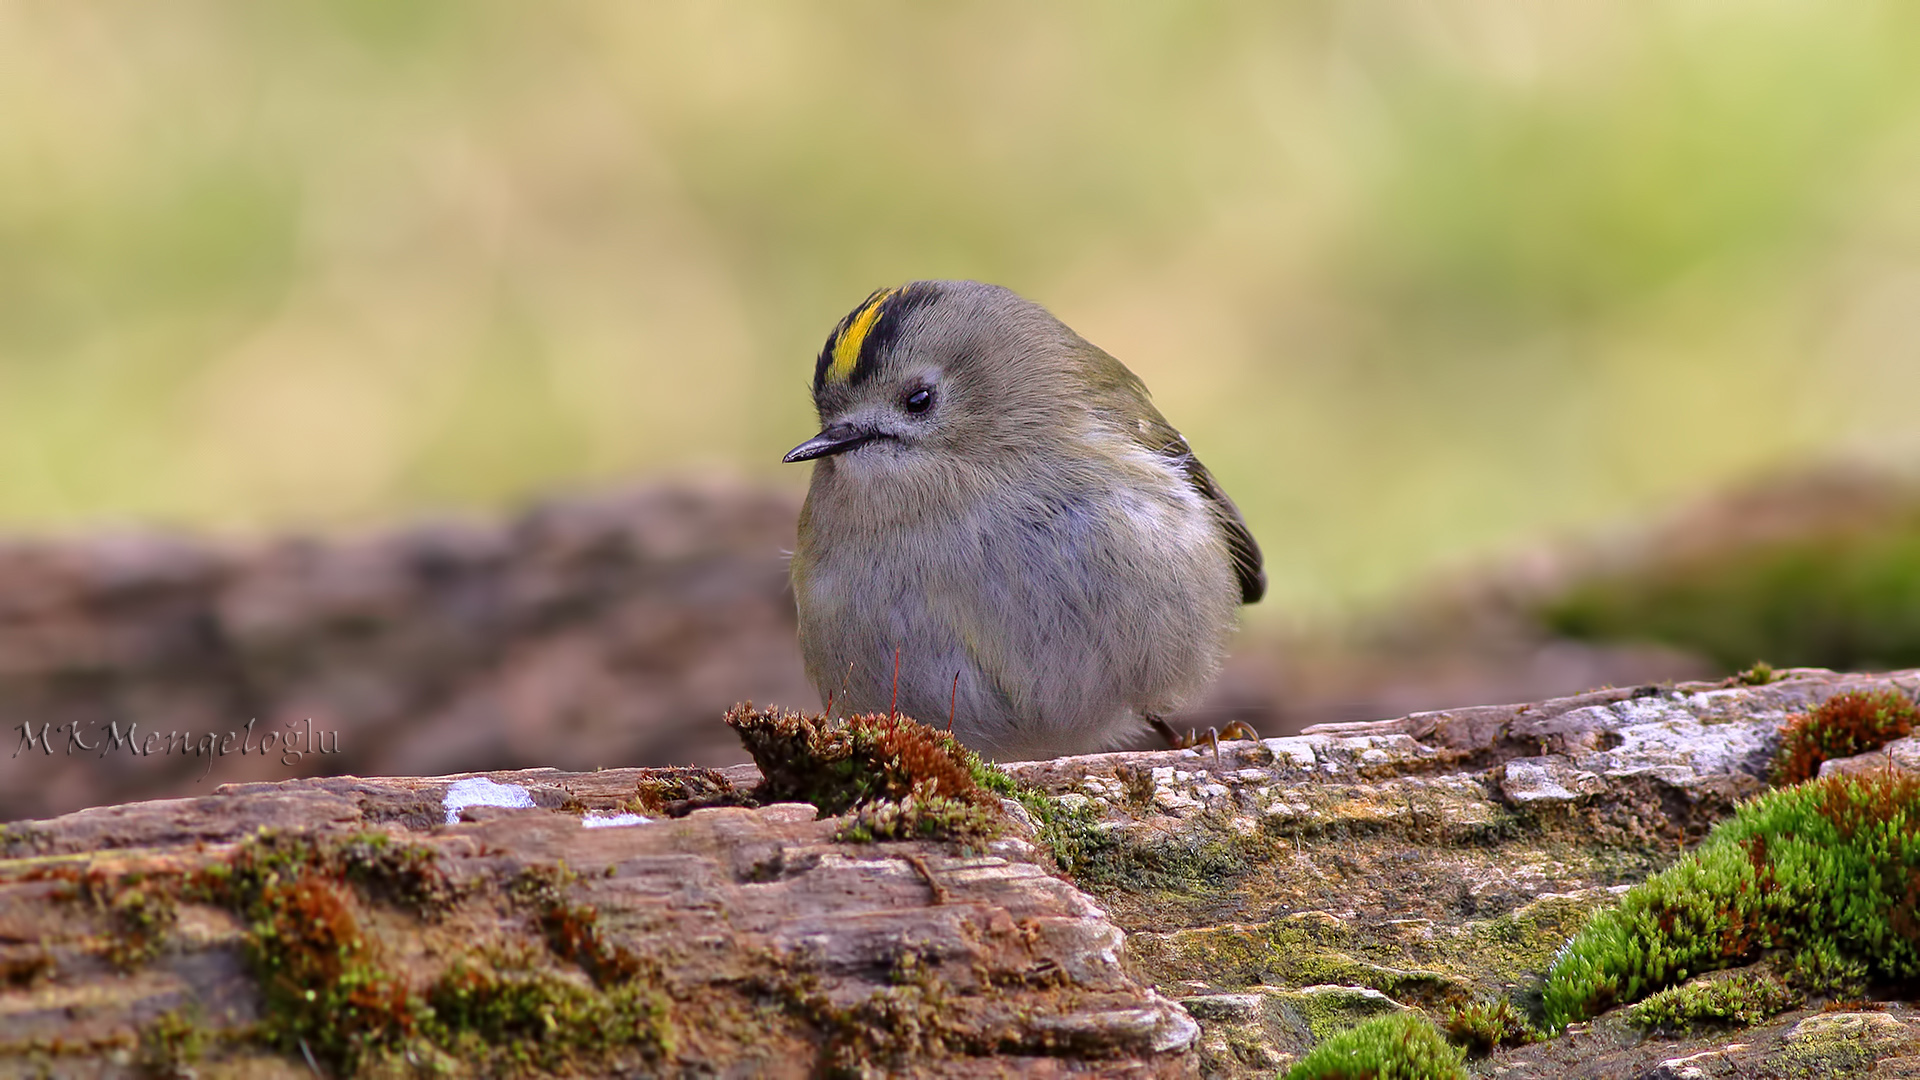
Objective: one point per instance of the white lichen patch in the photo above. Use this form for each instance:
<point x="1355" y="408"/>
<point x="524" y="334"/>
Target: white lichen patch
<point x="1663" y="737"/>
<point x="1295" y="752"/>
<point x="480" y="791"/>
<point x="1540" y="781"/>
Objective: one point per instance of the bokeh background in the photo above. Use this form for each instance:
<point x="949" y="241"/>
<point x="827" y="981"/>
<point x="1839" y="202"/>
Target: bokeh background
<point x="1424" y="282"/>
<point x="1419" y="279"/>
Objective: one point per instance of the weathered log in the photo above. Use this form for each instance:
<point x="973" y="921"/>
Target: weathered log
<point x="1217" y="915"/>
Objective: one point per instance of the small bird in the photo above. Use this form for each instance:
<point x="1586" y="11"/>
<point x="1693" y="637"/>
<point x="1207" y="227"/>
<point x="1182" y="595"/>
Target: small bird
<point x="1002" y="531"/>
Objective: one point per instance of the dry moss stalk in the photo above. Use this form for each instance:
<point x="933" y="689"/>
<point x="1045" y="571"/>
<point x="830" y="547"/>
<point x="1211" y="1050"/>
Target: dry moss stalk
<point x="904" y="779"/>
<point x="1842" y="726"/>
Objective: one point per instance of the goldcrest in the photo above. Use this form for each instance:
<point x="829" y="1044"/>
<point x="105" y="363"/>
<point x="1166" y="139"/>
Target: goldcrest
<point x="1003" y="533"/>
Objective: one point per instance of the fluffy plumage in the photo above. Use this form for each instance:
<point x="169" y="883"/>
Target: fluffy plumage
<point x="1000" y="501"/>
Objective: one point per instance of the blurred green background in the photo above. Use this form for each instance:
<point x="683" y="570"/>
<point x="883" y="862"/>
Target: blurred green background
<point x="1421" y="281"/>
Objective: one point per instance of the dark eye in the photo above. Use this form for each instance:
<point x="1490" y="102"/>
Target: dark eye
<point x="919" y="401"/>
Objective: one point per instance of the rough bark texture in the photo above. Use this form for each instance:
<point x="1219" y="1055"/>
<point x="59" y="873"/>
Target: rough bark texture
<point x="778" y="950"/>
<point x="1223" y="913"/>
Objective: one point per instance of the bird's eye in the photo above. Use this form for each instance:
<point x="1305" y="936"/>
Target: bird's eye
<point x="919" y="401"/>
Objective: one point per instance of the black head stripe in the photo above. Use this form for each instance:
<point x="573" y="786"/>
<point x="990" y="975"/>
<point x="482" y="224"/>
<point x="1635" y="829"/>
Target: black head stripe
<point x="878" y="321"/>
<point x="895" y="313"/>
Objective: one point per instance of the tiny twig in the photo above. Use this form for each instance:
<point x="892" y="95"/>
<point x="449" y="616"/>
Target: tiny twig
<point x="919" y="862"/>
<point x="953" y="703"/>
<point x="893" y="706"/>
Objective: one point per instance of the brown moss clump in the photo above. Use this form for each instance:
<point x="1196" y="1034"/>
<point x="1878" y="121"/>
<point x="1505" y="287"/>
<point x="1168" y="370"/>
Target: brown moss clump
<point x="675" y="791"/>
<point x="322" y="974"/>
<point x="573" y="929"/>
<point x="904" y="779"/>
<point x="1842" y="726"/>
<point x="318" y="909"/>
<point x="324" y="984"/>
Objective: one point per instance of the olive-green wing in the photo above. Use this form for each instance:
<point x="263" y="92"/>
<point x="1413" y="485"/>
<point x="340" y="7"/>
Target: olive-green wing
<point x="1122" y="393"/>
<point x="1247" y="564"/>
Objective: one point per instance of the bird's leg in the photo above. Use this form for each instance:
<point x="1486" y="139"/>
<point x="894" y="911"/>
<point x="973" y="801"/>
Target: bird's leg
<point x="1184" y="742"/>
<point x="1174" y="739"/>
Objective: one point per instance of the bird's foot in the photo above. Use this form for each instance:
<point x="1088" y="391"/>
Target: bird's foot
<point x="1238" y="729"/>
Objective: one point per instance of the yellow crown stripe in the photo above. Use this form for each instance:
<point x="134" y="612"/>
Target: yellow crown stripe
<point x="846" y="351"/>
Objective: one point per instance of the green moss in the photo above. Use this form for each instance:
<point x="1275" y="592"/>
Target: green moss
<point x="908" y="1020"/>
<point x="1481" y="1027"/>
<point x="145" y="918"/>
<point x="923" y="817"/>
<point x="1841" y="726"/>
<point x="1515" y="947"/>
<point x="404" y="875"/>
<point x="1506" y="955"/>
<point x="1403" y="1046"/>
<point x="171" y="1044"/>
<point x="542" y="884"/>
<point x="1825" y="969"/>
<point x="1327" y="1010"/>
<point x="519" y="1020"/>
<point x="1099" y="857"/>
<point x="329" y="992"/>
<point x="1302" y="950"/>
<point x="141" y="910"/>
<point x="1828" y="871"/>
<point x="992" y="779"/>
<point x="1072" y="835"/>
<point x="1760" y="674"/>
<point x="1743" y="999"/>
<point x="1189" y="863"/>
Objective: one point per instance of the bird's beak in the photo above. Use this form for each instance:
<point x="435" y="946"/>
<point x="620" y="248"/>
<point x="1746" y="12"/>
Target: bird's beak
<point x="836" y="439"/>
